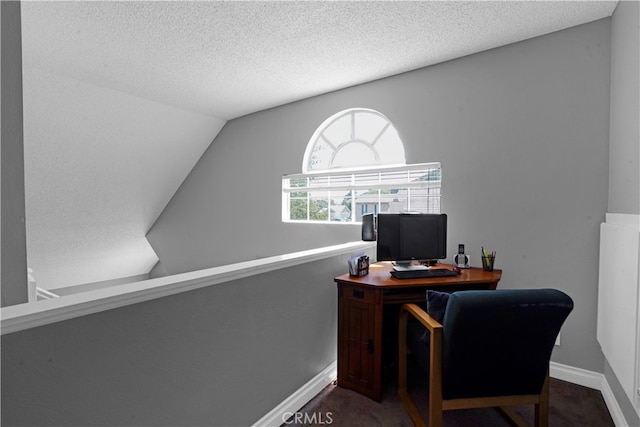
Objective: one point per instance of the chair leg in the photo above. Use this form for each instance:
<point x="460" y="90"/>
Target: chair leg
<point x="435" y="413"/>
<point x="435" y="369"/>
<point x="512" y="416"/>
<point x="409" y="406"/>
<point x="435" y="379"/>
<point x="542" y="409"/>
<point x="412" y="410"/>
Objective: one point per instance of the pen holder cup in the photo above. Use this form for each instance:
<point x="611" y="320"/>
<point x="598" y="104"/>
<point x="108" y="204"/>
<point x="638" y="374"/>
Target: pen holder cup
<point x="488" y="262"/>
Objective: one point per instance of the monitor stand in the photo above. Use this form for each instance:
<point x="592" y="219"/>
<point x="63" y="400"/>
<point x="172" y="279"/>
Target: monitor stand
<point x="408" y="266"/>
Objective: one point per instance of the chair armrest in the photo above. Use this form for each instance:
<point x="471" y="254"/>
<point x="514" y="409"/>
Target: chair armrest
<point x="423" y="317"/>
<point x="433" y="326"/>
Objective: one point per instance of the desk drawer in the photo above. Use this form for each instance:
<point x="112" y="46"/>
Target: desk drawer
<point x="356" y="293"/>
<point x="406" y="297"/>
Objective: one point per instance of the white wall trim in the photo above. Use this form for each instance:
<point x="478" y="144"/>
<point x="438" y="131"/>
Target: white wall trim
<point x="30" y="315"/>
<point x="612" y="404"/>
<point x="593" y="380"/>
<point x="576" y="375"/>
<point x="278" y="415"/>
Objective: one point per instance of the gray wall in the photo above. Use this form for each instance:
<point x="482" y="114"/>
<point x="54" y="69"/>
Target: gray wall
<point x="522" y="132"/>
<point x="624" y="160"/>
<point x="225" y="355"/>
<point x="624" y="153"/>
<point x="14" y="250"/>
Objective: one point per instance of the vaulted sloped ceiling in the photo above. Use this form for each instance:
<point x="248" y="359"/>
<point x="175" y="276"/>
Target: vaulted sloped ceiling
<point x="122" y="98"/>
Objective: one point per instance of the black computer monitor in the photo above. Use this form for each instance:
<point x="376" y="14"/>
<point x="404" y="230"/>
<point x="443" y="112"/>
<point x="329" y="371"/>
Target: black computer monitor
<point x="405" y="238"/>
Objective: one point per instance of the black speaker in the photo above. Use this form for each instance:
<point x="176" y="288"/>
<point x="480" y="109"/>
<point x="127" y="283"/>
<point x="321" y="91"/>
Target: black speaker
<point x="369" y="227"/>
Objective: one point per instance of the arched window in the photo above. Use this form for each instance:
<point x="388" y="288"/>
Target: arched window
<point x="352" y="138"/>
<point x="354" y="164"/>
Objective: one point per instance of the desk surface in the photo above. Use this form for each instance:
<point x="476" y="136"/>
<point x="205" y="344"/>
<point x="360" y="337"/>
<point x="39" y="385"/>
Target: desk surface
<point x="380" y="277"/>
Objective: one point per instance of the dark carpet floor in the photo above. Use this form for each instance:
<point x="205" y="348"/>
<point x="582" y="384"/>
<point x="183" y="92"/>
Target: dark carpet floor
<point x="571" y="406"/>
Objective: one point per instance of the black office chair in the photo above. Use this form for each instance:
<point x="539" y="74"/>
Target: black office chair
<point x="490" y="349"/>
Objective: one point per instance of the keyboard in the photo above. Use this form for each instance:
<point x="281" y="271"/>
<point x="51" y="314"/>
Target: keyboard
<point x="420" y="274"/>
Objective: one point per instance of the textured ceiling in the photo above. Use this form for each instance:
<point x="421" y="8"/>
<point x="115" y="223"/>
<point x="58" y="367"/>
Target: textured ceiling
<point x="122" y="98"/>
<point x="228" y="59"/>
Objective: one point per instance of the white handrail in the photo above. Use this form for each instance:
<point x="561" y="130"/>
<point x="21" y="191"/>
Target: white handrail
<point x="30" y="315"/>
<point x="45" y="294"/>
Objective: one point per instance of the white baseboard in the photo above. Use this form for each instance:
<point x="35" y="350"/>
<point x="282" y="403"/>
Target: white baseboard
<point x="592" y="380"/>
<point x="278" y="415"/>
<point x="304" y="394"/>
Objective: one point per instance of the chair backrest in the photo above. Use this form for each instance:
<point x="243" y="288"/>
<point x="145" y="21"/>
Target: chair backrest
<point x="499" y="343"/>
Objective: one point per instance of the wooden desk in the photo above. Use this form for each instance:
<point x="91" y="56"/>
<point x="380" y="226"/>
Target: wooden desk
<point x="368" y="313"/>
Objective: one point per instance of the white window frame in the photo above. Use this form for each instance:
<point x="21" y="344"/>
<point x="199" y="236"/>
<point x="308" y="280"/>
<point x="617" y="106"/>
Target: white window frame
<point x="323" y="137"/>
<point x="383" y="180"/>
